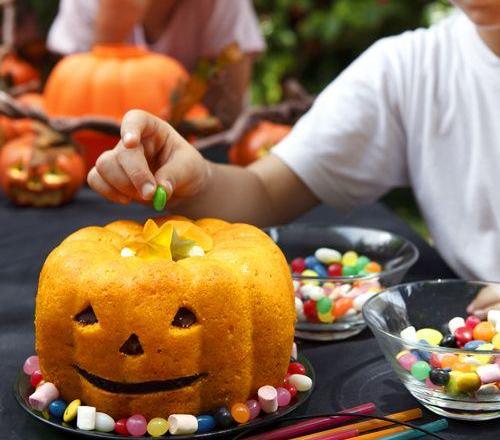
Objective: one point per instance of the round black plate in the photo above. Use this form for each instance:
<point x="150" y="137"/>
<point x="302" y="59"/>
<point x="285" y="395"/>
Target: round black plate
<point x="23" y="389"/>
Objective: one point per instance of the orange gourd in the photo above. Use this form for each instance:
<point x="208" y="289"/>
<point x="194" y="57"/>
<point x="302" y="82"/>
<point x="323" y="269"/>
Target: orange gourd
<point x="14" y="71"/>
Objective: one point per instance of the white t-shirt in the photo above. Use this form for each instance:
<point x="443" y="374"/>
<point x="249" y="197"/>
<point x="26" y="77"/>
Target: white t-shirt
<point x="419" y="109"/>
<point x="197" y="28"/>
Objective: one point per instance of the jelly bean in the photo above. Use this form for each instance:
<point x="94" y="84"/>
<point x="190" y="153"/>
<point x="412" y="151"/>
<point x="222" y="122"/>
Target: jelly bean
<point x="496" y="341"/>
<point x="31" y="365"/>
<point x="472" y="345"/>
<point x="296" y="368"/>
<point x="350" y="258"/>
<point x="71" y="410"/>
<point x="326" y="318"/>
<point x="349" y="271"/>
<point x="328" y="256"/>
<point x="335" y="270"/>
<point x="301" y="382"/>
<point x="432" y="336"/>
<point x="463" y="382"/>
<point x="470" y="360"/>
<point x="206" y="423"/>
<point x="137" y="425"/>
<point x="291" y="389"/>
<point x="36" y="377"/>
<point x="299" y="309"/>
<point x="158" y="427"/>
<point x="407" y="360"/>
<point x="484" y="331"/>
<point x="184" y="424"/>
<point x="360" y="300"/>
<point x="284" y="396"/>
<point x="324" y="305"/>
<point x="424" y="355"/>
<point x="448" y="360"/>
<point x="311" y="261"/>
<point x="320" y="270"/>
<point x="463" y="367"/>
<point x="85" y="419"/>
<point x="455" y="323"/>
<point x="268" y="397"/>
<point x="472" y="321"/>
<point x="240" y="413"/>
<point x="104" y="422"/>
<point x="312" y="292"/>
<point x="223" y="418"/>
<point x="409" y="334"/>
<point x="254" y="407"/>
<point x="484" y="358"/>
<point x="42" y="396"/>
<point x="373" y="267"/>
<point x="362" y="262"/>
<point x="489" y="373"/>
<point x="435" y="360"/>
<point x="298" y="265"/>
<point x="57" y="408"/>
<point x="341" y="306"/>
<point x="160" y="198"/>
<point x="121" y="427"/>
<point x="420" y="370"/>
<point x="310" y="309"/>
<point x="439" y="376"/>
<point x="463" y="335"/>
<point x="487" y="389"/>
<point x="310" y="274"/>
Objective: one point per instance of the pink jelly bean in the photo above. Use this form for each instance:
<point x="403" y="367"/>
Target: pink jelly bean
<point x="43" y="395"/>
<point x="268" y="399"/>
<point x="31" y="365"/>
<point x="254" y="408"/>
<point x="489" y="373"/>
<point x="407" y="360"/>
<point x="137" y="425"/>
<point x="284" y="396"/>
<point x="435" y="360"/>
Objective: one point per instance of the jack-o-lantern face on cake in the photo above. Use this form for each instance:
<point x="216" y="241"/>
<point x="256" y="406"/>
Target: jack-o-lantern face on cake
<point x="131" y="328"/>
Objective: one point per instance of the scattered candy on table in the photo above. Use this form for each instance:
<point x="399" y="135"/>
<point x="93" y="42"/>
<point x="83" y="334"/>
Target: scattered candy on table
<point x="269" y="399"/>
<point x="461" y="373"/>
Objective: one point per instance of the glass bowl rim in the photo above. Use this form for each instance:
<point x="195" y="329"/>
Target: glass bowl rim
<point x="417" y="345"/>
<point x="415" y="254"/>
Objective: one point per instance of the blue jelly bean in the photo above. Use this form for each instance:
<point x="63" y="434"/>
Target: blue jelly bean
<point x="206" y="423"/>
<point x="311" y="261"/>
<point x="424" y="355"/>
<point x="57" y="408"/>
<point x="472" y="345"/>
<point x="416" y="353"/>
<point x="320" y="270"/>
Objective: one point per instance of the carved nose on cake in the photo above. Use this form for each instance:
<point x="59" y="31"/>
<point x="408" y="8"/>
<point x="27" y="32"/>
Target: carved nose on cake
<point x="132" y="346"/>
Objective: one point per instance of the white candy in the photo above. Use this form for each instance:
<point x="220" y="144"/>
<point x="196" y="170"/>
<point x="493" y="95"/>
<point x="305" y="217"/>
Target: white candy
<point x="328" y="256"/>
<point x="268" y="399"/>
<point x="299" y="309"/>
<point x="43" y="395"/>
<point x="409" y="334"/>
<point x="182" y="424"/>
<point x="470" y="360"/>
<point x="455" y="323"/>
<point x="301" y="382"/>
<point x="345" y="289"/>
<point x="308" y="291"/>
<point x="360" y="300"/>
<point x="494" y="316"/>
<point x="489" y="373"/>
<point x="350" y="312"/>
<point x="127" y="252"/>
<point x="196" y="251"/>
<point x="85" y="418"/>
<point x="489" y="388"/>
<point x="294" y="351"/>
<point x="103" y="422"/>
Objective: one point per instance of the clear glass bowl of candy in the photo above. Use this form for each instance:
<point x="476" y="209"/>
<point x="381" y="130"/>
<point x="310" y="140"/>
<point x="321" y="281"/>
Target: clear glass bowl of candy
<point x="448" y="361"/>
<point x="335" y="270"/>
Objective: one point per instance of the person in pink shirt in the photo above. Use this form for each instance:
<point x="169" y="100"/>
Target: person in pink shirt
<point x="186" y="30"/>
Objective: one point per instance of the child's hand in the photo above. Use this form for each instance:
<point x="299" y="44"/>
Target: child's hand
<point x="487" y="299"/>
<point x="150" y="153"/>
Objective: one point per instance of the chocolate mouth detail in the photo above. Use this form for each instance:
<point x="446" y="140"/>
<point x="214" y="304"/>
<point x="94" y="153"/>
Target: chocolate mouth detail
<point x="152" y="386"/>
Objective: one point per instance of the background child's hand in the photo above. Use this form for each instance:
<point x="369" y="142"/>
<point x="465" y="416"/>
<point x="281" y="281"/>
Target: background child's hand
<point x="487" y="299"/>
<point x="150" y="153"/>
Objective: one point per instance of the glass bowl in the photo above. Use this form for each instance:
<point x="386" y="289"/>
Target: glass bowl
<point x="431" y="304"/>
<point x="394" y="253"/>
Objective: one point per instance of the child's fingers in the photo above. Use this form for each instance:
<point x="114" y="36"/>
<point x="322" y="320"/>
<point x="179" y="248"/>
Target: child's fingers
<point x="97" y="183"/>
<point x="487" y="297"/>
<point x="112" y="172"/>
<point x="138" y="124"/>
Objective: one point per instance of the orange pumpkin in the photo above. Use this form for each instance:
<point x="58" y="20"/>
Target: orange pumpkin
<point x="15" y="71"/>
<point x="36" y="172"/>
<point x="130" y="320"/>
<point x="12" y="128"/>
<point x="257" y="142"/>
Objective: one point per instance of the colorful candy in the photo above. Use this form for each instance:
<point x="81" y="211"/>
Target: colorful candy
<point x="57" y="408"/>
<point x="223" y="418"/>
<point x="485" y="331"/>
<point x="71" y="410"/>
<point x="43" y="396"/>
<point x="121" y="427"/>
<point x="284" y="396"/>
<point x="36" y="378"/>
<point x="182" y="424"/>
<point x="206" y="423"/>
<point x="268" y="397"/>
<point x="160" y="198"/>
<point x="104" y="422"/>
<point x="301" y="382"/>
<point x="240" y="413"/>
<point x="430" y="335"/>
<point x="85" y="419"/>
<point x="158" y="427"/>
<point x="31" y="365"/>
<point x="137" y="425"/>
<point x="420" y="370"/>
<point x="254" y="408"/>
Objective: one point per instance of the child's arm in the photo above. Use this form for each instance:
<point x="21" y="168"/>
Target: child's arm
<point x="151" y="152"/>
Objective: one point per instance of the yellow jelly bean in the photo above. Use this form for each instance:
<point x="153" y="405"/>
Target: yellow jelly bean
<point x="484" y="358"/>
<point x="432" y="336"/>
<point x="463" y="382"/>
<point x="496" y="341"/>
<point x="157" y="427"/>
<point x="71" y="410"/>
<point x="350" y="258"/>
<point x="326" y="317"/>
<point x="310" y="273"/>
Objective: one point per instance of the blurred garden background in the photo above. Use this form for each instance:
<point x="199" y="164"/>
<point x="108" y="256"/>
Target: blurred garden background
<point x="310" y="40"/>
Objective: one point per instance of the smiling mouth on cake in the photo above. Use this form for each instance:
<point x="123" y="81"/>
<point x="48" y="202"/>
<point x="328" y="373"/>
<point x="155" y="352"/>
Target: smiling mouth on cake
<point x="152" y="386"/>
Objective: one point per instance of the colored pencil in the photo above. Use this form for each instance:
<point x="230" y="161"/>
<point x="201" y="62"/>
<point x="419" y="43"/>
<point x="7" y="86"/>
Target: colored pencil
<point x="436" y="426"/>
<point x="381" y="434"/>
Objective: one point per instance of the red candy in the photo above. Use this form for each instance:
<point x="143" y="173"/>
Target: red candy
<point x="335" y="270"/>
<point x="36" y="378"/>
<point x="285" y="380"/>
<point x="121" y="427"/>
<point x="296" y="368"/>
<point x="310" y="309"/>
<point x="463" y="335"/>
<point x="298" y="265"/>
<point x="472" y="321"/>
<point x="291" y="389"/>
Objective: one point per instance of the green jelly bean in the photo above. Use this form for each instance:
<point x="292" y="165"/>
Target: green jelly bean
<point x="348" y="271"/>
<point x="362" y="262"/>
<point x="420" y="370"/>
<point x="160" y="198"/>
<point x="324" y="305"/>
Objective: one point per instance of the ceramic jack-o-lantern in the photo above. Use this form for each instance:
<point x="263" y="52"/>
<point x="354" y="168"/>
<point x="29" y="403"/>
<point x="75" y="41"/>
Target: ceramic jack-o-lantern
<point x="170" y="317"/>
<point x="40" y="169"/>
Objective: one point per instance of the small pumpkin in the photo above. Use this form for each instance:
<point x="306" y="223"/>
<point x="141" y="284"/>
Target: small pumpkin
<point x="130" y="322"/>
<point x="257" y="142"/>
<point x="40" y="169"/>
<point x="14" y="71"/>
<point x="12" y="128"/>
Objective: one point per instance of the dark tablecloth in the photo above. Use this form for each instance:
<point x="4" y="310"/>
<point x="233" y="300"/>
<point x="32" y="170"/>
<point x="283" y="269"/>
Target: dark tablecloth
<point x="348" y="372"/>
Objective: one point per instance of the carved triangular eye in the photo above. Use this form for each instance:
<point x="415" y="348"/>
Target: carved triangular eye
<point x="86" y="316"/>
<point x="184" y="318"/>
